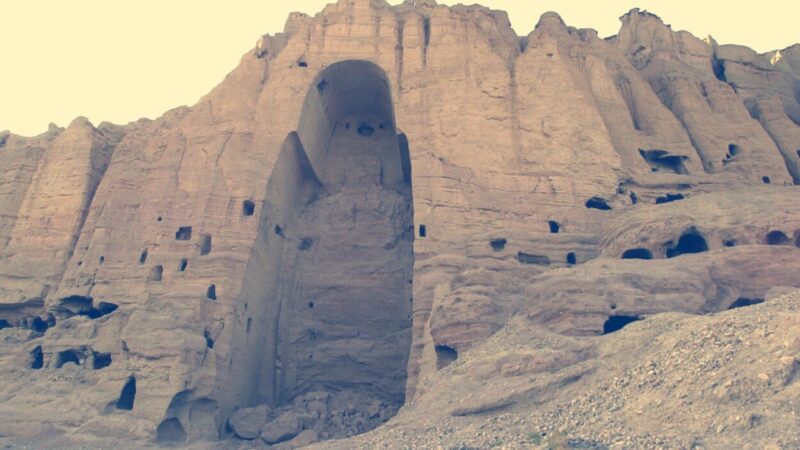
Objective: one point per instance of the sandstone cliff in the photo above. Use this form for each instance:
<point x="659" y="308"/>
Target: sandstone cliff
<point x="369" y="195"/>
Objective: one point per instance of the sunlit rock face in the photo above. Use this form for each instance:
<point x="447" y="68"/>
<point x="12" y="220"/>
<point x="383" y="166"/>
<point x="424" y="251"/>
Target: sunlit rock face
<point x="368" y="196"/>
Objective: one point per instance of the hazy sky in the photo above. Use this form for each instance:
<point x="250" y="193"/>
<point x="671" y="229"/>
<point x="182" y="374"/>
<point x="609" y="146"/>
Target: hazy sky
<point x="121" y="60"/>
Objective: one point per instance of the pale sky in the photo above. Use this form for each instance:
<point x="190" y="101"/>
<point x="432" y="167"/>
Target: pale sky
<point x="120" y="60"/>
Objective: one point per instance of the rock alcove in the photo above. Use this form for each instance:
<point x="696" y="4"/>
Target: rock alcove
<point x="341" y="192"/>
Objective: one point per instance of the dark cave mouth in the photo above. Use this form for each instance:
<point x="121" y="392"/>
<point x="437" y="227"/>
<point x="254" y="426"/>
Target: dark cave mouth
<point x="617" y="322"/>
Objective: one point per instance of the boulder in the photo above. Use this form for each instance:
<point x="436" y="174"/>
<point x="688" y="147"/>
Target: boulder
<point x="285" y="427"/>
<point x="247" y="422"/>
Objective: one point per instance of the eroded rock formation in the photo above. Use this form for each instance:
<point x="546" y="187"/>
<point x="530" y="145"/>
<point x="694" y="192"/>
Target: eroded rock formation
<point x="368" y="196"/>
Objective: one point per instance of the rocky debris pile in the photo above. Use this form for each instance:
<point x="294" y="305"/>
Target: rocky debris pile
<point x="311" y="417"/>
<point x="726" y="380"/>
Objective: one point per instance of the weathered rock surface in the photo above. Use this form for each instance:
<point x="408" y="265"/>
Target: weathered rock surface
<point x="247" y="422"/>
<point x="375" y="193"/>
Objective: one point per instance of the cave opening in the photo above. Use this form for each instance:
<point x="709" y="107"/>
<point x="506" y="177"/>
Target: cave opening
<point x="719" y="70"/>
<point x="128" y="395"/>
<point x="170" y="431"/>
<point x="733" y="150"/>
<point x="664" y="160"/>
<point x="499" y="244"/>
<point x="598" y="203"/>
<point x="37" y="358"/>
<point x="366" y="130"/>
<point x="777" y="237"/>
<point x="84" y="306"/>
<point x="617" y="322"/>
<point x="102" y="309"/>
<point x="183" y="234"/>
<point x="67" y="356"/>
<point x="637" y="253"/>
<point x="445" y="355"/>
<point x="156" y="272"/>
<point x="572" y="259"/>
<point x="39" y="325"/>
<point x="689" y="242"/>
<point x="305" y="244"/>
<point x="248" y="208"/>
<point x="668" y="198"/>
<point x="743" y="301"/>
<point x="205" y="245"/>
<point x="208" y="338"/>
<point x="344" y="178"/>
<point x="528" y="258"/>
<point x="555" y="227"/>
<point x="100" y="360"/>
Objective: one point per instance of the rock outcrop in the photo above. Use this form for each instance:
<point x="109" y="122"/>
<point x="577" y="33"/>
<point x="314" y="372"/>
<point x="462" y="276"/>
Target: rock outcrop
<point x="369" y="196"/>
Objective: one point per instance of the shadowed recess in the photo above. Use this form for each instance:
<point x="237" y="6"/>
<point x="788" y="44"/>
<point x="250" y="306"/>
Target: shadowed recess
<point x="128" y="395"/>
<point x="101" y="360"/>
<point x="617" y="322"/>
<point x="742" y="301"/>
<point x="777" y="237"/>
<point x="156" y="272"/>
<point x="445" y="355"/>
<point x="205" y="245"/>
<point x="662" y="160"/>
<point x="211" y="292"/>
<point x="248" y="208"/>
<point x="170" y="431"/>
<point x="498" y="244"/>
<point x="334" y="256"/>
<point x="527" y="258"/>
<point x="598" y="203"/>
<point x="667" y="198"/>
<point x="572" y="258"/>
<point x="637" y="253"/>
<point x="183" y="234"/>
<point x="84" y="306"/>
<point x="67" y="356"/>
<point x="37" y="358"/>
<point x="690" y="242"/>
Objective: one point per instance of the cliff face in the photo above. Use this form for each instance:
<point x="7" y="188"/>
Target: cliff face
<point x="370" y="194"/>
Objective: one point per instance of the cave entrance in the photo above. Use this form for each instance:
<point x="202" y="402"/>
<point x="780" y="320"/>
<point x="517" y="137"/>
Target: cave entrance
<point x="664" y="160"/>
<point x="690" y="242"/>
<point x="637" y="253"/>
<point x="777" y="237"/>
<point x="332" y="313"/>
<point x="445" y="355"/>
<point x="618" y="322"/>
